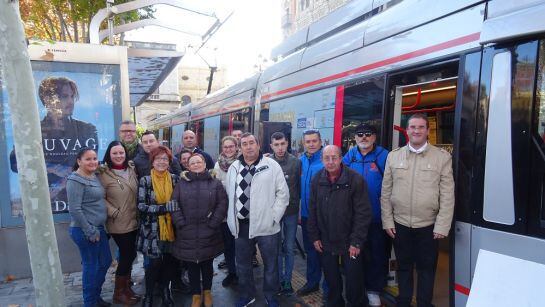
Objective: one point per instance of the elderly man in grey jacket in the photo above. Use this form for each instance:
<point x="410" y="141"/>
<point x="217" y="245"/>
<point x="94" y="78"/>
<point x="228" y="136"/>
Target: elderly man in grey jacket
<point x="258" y="196"/>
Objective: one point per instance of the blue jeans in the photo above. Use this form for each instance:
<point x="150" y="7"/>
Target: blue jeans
<point x="268" y="246"/>
<point x="314" y="269"/>
<point x="95" y="260"/>
<point x="286" y="244"/>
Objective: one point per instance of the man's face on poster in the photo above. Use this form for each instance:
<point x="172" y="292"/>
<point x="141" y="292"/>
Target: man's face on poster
<point x="62" y="103"/>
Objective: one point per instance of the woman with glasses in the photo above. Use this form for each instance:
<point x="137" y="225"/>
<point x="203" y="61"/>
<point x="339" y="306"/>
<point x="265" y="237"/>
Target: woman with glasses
<point x="120" y="183"/>
<point x="88" y="214"/>
<point x="229" y="153"/>
<point x="156" y="232"/>
<point x="203" y="207"/>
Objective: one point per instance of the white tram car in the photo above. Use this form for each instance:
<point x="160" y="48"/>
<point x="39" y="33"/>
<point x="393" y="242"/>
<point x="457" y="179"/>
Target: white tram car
<point x="476" y="68"/>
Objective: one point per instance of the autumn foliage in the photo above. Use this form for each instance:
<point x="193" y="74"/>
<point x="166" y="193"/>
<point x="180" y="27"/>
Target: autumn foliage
<point x="68" y="20"/>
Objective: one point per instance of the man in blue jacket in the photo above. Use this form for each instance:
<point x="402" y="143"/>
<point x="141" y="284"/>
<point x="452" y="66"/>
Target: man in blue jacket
<point x="311" y="164"/>
<point x="369" y="160"/>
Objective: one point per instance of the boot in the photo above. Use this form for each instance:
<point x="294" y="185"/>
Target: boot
<point x="207" y="298"/>
<point x="197" y="301"/>
<point x="150" y="285"/>
<point x="129" y="289"/>
<point x="121" y="293"/>
<point x="167" y="297"/>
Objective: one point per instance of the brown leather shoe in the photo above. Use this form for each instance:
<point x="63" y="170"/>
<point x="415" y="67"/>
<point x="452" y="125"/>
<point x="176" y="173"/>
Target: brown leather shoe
<point x="121" y="292"/>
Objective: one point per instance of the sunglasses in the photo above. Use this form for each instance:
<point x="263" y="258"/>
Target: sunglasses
<point x="366" y="134"/>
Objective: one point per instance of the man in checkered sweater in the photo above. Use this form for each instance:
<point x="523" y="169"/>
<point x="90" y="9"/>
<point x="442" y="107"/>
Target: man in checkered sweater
<point x="258" y="196"/>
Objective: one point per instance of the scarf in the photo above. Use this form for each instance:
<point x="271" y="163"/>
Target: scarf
<point x="225" y="162"/>
<point x="131" y="148"/>
<point x="162" y="187"/>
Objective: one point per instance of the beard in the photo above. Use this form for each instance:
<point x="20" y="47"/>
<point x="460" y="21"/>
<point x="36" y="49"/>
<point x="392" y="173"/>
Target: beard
<point x="364" y="146"/>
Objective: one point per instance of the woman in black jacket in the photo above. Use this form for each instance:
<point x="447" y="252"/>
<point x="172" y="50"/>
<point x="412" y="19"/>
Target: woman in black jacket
<point x="203" y="206"/>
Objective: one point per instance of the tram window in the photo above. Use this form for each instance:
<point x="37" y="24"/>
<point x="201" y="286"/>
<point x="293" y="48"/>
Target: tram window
<point x="198" y="127"/>
<point x="314" y="110"/>
<point x="362" y="104"/>
<point x="537" y="194"/>
<point x="239" y="120"/>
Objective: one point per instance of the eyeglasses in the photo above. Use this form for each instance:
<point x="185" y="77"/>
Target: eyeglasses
<point x="229" y="146"/>
<point x="311" y="131"/>
<point x="162" y="159"/>
<point x="366" y="134"/>
<point x="127" y="131"/>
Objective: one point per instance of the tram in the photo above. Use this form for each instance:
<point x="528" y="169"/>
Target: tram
<point x="476" y="68"/>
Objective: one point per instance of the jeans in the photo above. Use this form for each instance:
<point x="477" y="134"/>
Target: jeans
<point x="286" y="245"/>
<point x="378" y="253"/>
<point x="229" y="248"/>
<point x="415" y="246"/>
<point x="354" y="279"/>
<point x="268" y="246"/>
<point x="314" y="269"/>
<point x="95" y="260"/>
<point x="126" y="243"/>
<point x="195" y="270"/>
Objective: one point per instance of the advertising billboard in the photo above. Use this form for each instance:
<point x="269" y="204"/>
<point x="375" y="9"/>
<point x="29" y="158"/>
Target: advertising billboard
<point x="78" y="104"/>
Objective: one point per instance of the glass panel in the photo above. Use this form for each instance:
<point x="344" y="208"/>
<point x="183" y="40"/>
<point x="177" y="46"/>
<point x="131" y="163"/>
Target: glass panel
<point x="198" y="127"/>
<point x="314" y="110"/>
<point x="212" y="136"/>
<point x="79" y="105"/>
<point x="362" y="104"/>
<point x="176" y="137"/>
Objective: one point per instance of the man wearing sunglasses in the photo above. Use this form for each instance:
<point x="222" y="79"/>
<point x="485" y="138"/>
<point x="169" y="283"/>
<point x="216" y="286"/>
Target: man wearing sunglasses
<point x="369" y="160"/>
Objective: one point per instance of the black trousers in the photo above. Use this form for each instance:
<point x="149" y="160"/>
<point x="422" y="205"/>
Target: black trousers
<point x="354" y="279"/>
<point x="126" y="242"/>
<point x="415" y="246"/>
<point x="195" y="271"/>
<point x="160" y="270"/>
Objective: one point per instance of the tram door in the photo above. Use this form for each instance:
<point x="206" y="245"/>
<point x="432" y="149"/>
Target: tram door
<point x="431" y="92"/>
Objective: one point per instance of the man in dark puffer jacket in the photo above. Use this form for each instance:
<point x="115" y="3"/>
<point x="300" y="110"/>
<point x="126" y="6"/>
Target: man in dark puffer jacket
<point x="339" y="217"/>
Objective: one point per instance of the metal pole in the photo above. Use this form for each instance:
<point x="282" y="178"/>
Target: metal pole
<point x="40" y="230"/>
<point x="210" y="79"/>
<point x="110" y="22"/>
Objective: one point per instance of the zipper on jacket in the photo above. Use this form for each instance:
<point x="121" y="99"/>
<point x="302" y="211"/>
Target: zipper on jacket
<point x="412" y="189"/>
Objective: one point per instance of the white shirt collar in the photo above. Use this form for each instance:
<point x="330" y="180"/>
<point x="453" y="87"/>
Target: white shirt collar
<point x="419" y="150"/>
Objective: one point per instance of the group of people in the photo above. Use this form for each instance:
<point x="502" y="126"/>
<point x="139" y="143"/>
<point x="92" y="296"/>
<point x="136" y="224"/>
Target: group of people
<point x="182" y="212"/>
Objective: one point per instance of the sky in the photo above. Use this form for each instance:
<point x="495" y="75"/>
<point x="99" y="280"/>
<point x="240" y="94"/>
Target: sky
<point x="252" y="30"/>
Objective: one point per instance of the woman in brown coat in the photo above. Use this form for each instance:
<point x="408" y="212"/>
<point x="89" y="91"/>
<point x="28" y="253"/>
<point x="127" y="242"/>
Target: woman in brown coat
<point x="203" y="207"/>
<point x="119" y="180"/>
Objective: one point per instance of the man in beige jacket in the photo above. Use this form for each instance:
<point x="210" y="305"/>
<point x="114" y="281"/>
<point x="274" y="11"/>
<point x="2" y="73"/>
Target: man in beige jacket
<point x="417" y="205"/>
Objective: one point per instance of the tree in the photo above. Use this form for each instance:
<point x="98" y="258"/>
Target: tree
<point x="68" y="20"/>
<point x="39" y="227"/>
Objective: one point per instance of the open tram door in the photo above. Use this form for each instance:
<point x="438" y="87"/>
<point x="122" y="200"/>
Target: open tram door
<point x="431" y="91"/>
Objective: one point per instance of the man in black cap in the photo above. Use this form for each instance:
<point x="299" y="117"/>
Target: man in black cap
<point x="369" y="160"/>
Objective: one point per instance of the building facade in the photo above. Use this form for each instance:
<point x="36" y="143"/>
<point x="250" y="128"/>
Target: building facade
<point x="298" y="14"/>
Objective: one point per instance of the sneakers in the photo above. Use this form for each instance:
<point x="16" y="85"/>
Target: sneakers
<point x="286" y="289"/>
<point x="374" y="299"/>
<point x="243" y="302"/>
<point x="230" y="279"/>
<point x="308" y="289"/>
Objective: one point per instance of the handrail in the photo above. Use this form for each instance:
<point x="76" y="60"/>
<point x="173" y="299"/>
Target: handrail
<point x="416" y="103"/>
<point x="438" y="109"/>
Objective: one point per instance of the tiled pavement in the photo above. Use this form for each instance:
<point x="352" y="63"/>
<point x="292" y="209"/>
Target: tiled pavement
<point x="21" y="292"/>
